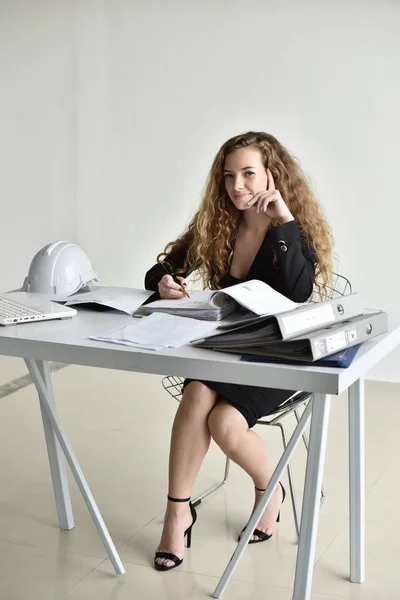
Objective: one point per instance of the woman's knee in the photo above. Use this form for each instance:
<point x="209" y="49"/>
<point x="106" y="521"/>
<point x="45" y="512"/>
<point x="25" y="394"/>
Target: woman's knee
<point x="226" y="424"/>
<point x="197" y="397"/>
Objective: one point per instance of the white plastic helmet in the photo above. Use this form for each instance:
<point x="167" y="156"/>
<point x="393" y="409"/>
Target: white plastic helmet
<point x="59" y="270"/>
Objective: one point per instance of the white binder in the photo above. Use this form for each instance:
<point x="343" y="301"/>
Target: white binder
<point x="314" y="316"/>
<point x="239" y="329"/>
<point x="317" y="344"/>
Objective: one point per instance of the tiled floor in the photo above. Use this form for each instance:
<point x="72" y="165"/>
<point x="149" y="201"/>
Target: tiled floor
<point x="119" y="426"/>
<point x="11" y="368"/>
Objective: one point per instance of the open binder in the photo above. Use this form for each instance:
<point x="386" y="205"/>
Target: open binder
<point x="250" y="301"/>
<point x="256" y="297"/>
<point x="244" y="329"/>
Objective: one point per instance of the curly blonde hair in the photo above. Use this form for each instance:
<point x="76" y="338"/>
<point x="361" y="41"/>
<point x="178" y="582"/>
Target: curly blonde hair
<point x="211" y="234"/>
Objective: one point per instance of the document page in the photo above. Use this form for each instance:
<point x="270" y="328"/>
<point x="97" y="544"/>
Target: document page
<point x="127" y="300"/>
<point x="158" y="331"/>
<point x="258" y="297"/>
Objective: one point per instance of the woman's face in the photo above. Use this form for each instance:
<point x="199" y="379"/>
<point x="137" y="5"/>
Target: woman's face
<point x="245" y="176"/>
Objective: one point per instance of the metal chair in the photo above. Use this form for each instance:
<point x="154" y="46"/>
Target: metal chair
<point x="338" y="286"/>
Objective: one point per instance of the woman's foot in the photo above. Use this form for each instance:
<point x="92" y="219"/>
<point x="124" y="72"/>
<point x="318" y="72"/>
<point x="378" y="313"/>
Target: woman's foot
<point x="266" y="526"/>
<point x="268" y="522"/>
<point x="178" y="518"/>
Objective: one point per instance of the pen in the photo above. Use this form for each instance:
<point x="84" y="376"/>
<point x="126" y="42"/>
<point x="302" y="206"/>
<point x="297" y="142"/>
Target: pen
<point x="184" y="290"/>
<point x="175" y="278"/>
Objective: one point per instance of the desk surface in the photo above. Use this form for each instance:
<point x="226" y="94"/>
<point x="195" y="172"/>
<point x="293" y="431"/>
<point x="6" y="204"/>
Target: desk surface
<point x="67" y="342"/>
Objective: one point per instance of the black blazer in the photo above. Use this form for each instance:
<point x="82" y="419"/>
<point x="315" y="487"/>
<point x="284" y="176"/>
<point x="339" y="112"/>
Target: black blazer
<point x="292" y="276"/>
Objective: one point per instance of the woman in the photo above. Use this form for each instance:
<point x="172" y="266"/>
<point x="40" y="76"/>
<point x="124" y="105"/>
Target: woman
<point x="258" y="220"/>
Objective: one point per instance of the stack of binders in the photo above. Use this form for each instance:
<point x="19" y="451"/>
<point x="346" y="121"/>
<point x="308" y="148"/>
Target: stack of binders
<point x="304" y="335"/>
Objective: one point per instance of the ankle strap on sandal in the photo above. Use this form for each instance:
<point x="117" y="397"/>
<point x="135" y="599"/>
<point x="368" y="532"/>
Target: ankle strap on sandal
<point x="178" y="499"/>
<point x="263" y="489"/>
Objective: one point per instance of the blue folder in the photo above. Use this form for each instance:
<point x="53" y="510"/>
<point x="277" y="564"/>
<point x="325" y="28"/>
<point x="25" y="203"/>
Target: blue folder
<point x="341" y="359"/>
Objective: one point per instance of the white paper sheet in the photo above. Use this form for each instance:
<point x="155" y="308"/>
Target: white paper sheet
<point x="258" y="297"/>
<point x="158" y="331"/>
<point x="127" y="300"/>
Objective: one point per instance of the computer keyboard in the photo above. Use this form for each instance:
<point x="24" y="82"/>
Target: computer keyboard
<point x="10" y="309"/>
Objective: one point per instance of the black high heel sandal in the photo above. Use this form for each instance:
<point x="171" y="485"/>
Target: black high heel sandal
<point x="262" y="536"/>
<point x="188" y="534"/>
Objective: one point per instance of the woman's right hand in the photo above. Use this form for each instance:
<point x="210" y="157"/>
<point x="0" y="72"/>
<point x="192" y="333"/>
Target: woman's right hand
<point x="169" y="290"/>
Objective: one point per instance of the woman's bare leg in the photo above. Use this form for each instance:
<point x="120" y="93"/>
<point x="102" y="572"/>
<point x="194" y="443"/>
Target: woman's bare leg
<point x="190" y="441"/>
<point x="231" y="432"/>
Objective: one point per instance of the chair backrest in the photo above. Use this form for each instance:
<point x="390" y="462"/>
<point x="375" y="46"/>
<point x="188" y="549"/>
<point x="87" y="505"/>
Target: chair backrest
<point x="338" y="286"/>
<point x="173" y="385"/>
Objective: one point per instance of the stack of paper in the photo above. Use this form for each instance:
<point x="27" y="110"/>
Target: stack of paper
<point x="198" y="306"/>
<point x="158" y="331"/>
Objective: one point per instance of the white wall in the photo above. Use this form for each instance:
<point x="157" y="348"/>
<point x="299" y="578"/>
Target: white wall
<point x="38" y="131"/>
<point x="37" y="136"/>
<point x="116" y="109"/>
<point x="163" y="84"/>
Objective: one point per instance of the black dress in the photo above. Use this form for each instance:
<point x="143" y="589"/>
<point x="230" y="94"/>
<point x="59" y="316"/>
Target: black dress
<point x="292" y="275"/>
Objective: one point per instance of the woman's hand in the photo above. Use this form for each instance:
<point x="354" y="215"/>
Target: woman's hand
<point x="271" y="202"/>
<point x="169" y="290"/>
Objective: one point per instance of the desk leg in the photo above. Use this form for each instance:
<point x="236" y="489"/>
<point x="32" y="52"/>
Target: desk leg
<point x="54" y="452"/>
<point x="356" y="483"/>
<point x="75" y="467"/>
<point x="311" y="497"/>
<point x="265" y="498"/>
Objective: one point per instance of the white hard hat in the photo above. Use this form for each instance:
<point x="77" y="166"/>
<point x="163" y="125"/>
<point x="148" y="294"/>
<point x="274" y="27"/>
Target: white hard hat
<point x="59" y="270"/>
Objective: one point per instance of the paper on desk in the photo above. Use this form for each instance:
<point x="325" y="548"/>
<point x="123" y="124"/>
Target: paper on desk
<point x="199" y="299"/>
<point x="258" y="297"/>
<point x="127" y="300"/>
<point x="158" y="331"/>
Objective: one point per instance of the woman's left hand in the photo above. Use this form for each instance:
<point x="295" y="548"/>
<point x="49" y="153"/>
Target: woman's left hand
<point x="271" y="202"/>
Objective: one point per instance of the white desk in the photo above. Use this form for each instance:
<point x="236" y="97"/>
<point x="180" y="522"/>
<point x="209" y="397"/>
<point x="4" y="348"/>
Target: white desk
<point x="67" y="342"/>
